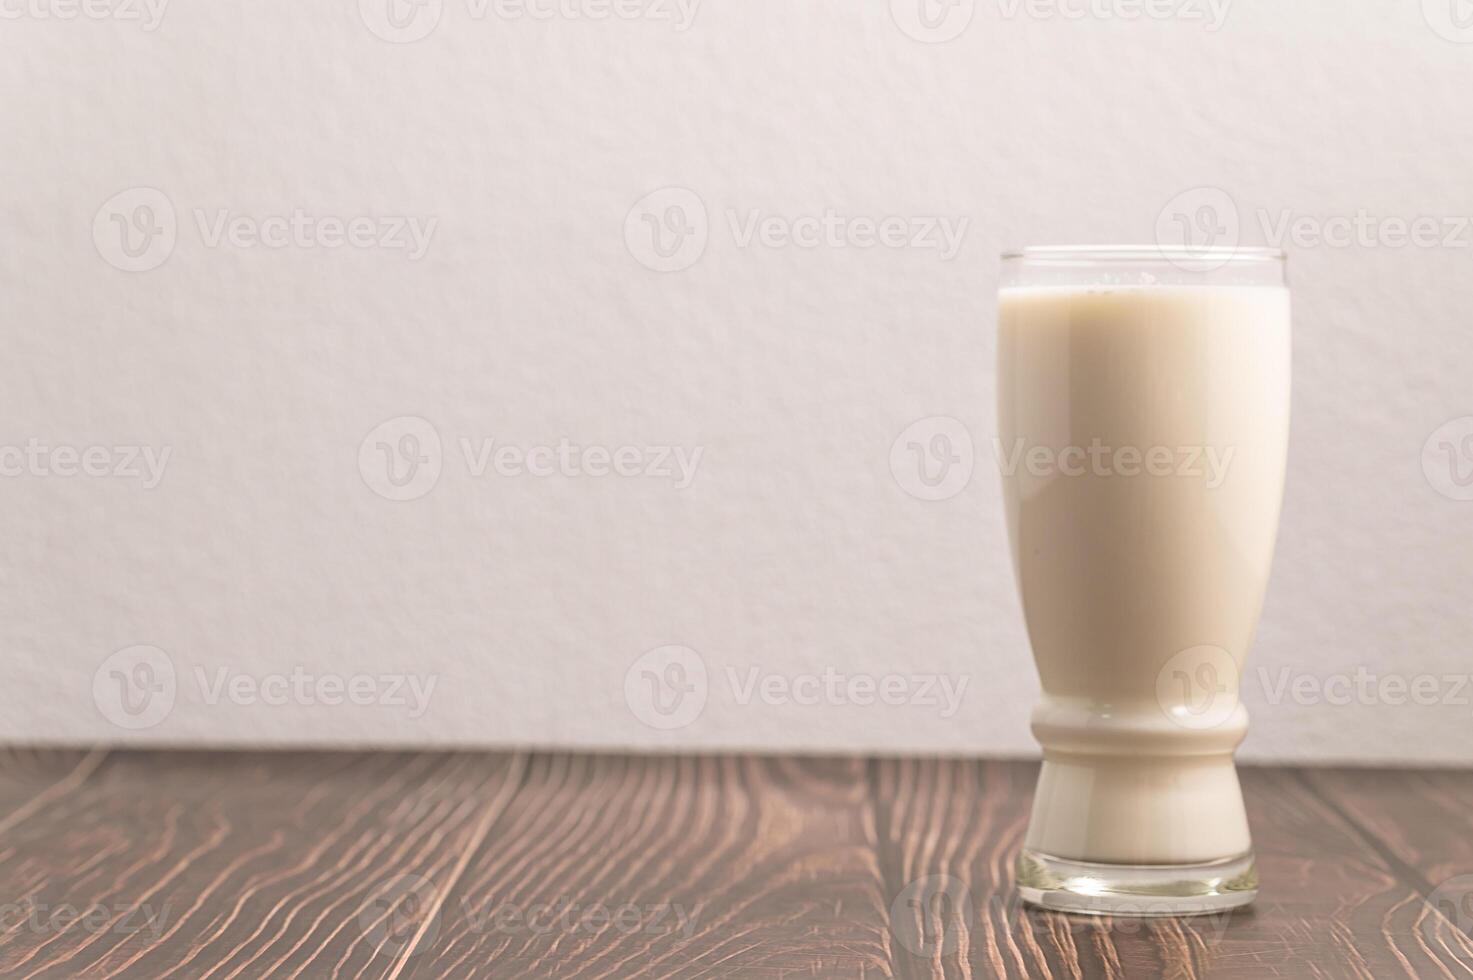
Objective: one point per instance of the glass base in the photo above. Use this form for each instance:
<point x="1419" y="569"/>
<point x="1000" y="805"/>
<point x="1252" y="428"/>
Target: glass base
<point x="1136" y="890"/>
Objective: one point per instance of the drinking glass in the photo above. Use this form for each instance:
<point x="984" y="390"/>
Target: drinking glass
<point x="1143" y="420"/>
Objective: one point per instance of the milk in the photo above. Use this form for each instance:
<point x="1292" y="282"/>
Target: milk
<point x="1142" y="575"/>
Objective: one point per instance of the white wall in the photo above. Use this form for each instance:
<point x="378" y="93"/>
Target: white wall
<point x="529" y="320"/>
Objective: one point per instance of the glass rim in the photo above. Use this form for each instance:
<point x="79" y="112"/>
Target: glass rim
<point x="1098" y="254"/>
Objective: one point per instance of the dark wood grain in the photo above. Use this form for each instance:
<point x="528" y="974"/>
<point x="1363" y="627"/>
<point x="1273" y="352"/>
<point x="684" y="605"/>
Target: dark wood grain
<point x="31" y="780"/>
<point x="1421" y="823"/>
<point x="948" y="834"/>
<point x="618" y="867"/>
<point x="415" y="865"/>
<point x="220" y="865"/>
<point x="1330" y="905"/>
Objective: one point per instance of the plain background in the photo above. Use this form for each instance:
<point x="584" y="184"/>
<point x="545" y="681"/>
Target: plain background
<point x="535" y="316"/>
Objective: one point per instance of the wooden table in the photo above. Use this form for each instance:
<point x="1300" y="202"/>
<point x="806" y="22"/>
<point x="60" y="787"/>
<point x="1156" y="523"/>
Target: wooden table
<point x="206" y="864"/>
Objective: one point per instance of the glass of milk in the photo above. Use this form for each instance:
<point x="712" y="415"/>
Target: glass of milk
<point x="1143" y="415"/>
